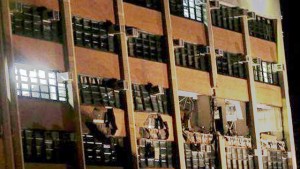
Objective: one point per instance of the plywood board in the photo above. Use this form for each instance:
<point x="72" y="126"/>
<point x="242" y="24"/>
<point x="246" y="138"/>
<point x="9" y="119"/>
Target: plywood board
<point x="144" y="71"/>
<point x="268" y="94"/>
<point x="191" y="80"/>
<point x="188" y="30"/>
<point x="94" y="9"/>
<point x="264" y="49"/>
<point x="40" y="53"/>
<point x="228" y="41"/>
<point x="45" y="114"/>
<point x="232" y="88"/>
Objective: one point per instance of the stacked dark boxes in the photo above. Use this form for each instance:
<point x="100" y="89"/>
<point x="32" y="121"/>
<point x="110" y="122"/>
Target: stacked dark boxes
<point x="224" y="18"/>
<point x="231" y="65"/>
<point x="262" y="28"/>
<point x="176" y="7"/>
<point x="190" y="56"/>
<point x="144" y="101"/>
<point x="93" y="34"/>
<point x="155" y="153"/>
<point x="146" y="46"/>
<point x="98" y="91"/>
<point x="37" y="22"/>
<point x="47" y="146"/>
<point x="104" y="151"/>
<point x="274" y="159"/>
<point x="200" y="156"/>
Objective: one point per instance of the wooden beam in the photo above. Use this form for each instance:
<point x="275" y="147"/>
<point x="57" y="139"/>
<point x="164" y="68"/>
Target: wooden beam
<point x="9" y="61"/>
<point x="286" y="109"/>
<point x="211" y="43"/>
<point x="5" y="121"/>
<point x="172" y="73"/>
<point x="255" y="135"/>
<point x="125" y="75"/>
<point x="214" y="80"/>
<point x="70" y="65"/>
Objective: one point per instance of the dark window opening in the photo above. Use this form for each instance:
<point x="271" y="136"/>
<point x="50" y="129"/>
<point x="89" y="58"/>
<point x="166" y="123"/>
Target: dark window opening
<point x="231" y="65"/>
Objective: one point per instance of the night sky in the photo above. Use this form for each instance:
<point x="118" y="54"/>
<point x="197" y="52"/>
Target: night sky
<point x="291" y="26"/>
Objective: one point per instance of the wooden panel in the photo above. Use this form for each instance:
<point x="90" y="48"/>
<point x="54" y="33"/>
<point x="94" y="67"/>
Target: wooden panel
<point x="119" y="116"/>
<point x="39" y="53"/>
<point x="50" y="4"/>
<point x="268" y="94"/>
<point x="94" y="9"/>
<point x="144" y="71"/>
<point x="97" y="63"/>
<point x="229" y="41"/>
<point x="45" y="165"/>
<point x="191" y="80"/>
<point x="188" y="30"/>
<point x="45" y="114"/>
<point x="141" y="117"/>
<point x="143" y="18"/>
<point x="264" y="49"/>
<point x="232" y="88"/>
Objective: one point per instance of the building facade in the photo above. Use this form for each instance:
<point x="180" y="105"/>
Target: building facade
<point x="187" y="84"/>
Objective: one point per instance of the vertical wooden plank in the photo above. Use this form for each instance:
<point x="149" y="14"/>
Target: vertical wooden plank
<point x="286" y="109"/>
<point x="255" y="135"/>
<point x="9" y="61"/>
<point x="213" y="77"/>
<point x="222" y="153"/>
<point x="179" y="141"/>
<point x="125" y="75"/>
<point x="5" y="125"/>
<point x="70" y="65"/>
<point x="211" y="43"/>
